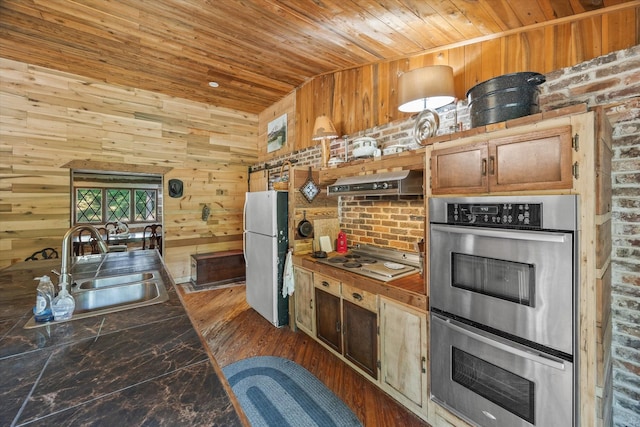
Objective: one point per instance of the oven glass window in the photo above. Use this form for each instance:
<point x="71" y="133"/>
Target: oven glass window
<point x="508" y="390"/>
<point x="508" y="280"/>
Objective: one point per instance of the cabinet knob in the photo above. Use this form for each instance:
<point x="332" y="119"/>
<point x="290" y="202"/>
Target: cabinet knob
<point x="356" y="296"/>
<point x="325" y="283"/>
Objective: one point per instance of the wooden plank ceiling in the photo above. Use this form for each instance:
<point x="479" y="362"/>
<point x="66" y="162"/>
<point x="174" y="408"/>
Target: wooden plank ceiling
<point x="257" y="50"/>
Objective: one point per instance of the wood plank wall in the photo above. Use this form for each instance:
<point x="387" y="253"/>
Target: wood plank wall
<point x="365" y="97"/>
<point x="50" y="118"/>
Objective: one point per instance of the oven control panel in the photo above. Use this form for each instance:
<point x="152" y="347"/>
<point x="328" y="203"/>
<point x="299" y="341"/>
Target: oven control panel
<point x="505" y="215"/>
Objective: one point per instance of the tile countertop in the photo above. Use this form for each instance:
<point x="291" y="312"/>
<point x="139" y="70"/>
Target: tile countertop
<point x="144" y="366"/>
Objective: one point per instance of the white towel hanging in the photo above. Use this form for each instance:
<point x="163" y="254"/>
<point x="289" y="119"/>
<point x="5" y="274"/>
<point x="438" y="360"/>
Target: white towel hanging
<point x="288" y="285"/>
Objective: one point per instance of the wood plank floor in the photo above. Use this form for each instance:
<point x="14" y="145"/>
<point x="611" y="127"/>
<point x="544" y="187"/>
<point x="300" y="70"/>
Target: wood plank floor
<point x="233" y="331"/>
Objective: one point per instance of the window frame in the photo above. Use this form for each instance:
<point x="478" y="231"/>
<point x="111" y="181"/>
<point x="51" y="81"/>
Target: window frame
<point x="104" y="182"/>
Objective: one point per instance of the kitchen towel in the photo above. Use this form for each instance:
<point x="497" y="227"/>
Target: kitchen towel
<point x="288" y="284"/>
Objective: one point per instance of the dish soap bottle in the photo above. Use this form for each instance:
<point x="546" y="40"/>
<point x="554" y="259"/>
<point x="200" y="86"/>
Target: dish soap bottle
<point x="42" y="312"/>
<point x="64" y="304"/>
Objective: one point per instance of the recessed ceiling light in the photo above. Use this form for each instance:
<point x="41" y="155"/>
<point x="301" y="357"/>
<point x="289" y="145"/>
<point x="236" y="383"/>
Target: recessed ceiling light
<point x="213" y="84"/>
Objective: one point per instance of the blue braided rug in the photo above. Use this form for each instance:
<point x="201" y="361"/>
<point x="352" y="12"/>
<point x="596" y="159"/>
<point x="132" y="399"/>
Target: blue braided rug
<point x="278" y="392"/>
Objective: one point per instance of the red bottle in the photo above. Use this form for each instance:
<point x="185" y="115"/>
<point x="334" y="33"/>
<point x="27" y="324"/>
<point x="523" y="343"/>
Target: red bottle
<point x="341" y="242"/>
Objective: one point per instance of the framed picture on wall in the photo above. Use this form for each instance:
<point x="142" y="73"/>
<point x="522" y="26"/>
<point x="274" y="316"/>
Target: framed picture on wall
<point x="277" y="133"/>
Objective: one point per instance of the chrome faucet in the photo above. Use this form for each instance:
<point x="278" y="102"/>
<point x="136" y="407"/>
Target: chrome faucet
<point x="67" y="244"/>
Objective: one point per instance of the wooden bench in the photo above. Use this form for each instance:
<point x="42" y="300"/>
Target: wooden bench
<point x="217" y="268"/>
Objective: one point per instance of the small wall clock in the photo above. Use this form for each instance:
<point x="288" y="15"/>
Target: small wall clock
<point x="310" y="189"/>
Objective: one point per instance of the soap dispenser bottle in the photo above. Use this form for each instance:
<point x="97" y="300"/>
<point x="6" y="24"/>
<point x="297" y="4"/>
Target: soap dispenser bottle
<point x="42" y="312"/>
<point x="64" y="304"/>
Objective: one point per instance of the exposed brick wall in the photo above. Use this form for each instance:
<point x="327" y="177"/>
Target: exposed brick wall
<point x="383" y="221"/>
<point x="453" y="117"/>
<point x="613" y="81"/>
<point x="311" y="156"/>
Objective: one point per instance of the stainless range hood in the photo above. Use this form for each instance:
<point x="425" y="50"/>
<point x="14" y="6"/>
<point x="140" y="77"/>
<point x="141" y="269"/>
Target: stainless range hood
<point x="399" y="183"/>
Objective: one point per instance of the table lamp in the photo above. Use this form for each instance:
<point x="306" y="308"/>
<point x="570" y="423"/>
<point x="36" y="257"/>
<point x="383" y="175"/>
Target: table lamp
<point x="423" y="90"/>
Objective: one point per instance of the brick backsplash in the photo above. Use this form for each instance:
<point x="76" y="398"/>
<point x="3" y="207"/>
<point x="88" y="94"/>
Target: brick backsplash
<point x="383" y="221"/>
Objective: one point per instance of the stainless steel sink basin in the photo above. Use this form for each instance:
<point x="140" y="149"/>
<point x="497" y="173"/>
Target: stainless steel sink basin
<point x="101" y="282"/>
<point x="114" y="297"/>
<point x="104" y="295"/>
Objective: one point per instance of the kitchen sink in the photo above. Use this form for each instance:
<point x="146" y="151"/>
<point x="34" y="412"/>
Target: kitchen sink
<point x="114" y="297"/>
<point x="101" y="282"/>
<point x="109" y="294"/>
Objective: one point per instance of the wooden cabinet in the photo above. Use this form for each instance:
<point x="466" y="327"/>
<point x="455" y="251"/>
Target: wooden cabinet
<point x="403" y="354"/>
<point x="303" y="298"/>
<point x="328" y="316"/>
<point x="347" y="322"/>
<point x="539" y="160"/>
<point x="360" y="328"/>
<point x="360" y="332"/>
<point x="328" y="323"/>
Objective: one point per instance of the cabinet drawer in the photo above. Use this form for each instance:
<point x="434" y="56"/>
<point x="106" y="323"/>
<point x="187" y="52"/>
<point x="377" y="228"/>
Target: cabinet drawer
<point x="327" y="284"/>
<point x="359" y="297"/>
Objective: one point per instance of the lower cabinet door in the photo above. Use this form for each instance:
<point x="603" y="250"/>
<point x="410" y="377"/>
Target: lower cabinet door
<point x="360" y="331"/>
<point x="328" y="325"/>
<point x="403" y="354"/>
<point x="303" y="300"/>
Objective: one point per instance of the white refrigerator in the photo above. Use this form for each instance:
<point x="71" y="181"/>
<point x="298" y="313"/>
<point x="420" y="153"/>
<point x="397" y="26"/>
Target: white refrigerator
<point x="266" y="241"/>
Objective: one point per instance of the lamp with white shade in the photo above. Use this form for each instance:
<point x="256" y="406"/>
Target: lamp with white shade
<point x="323" y="130"/>
<point x="423" y="90"/>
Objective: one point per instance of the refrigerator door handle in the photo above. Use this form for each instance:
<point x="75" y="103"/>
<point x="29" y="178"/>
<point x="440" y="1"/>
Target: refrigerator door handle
<point x="244" y="248"/>
<point x="244" y="213"/>
<point x="244" y="230"/>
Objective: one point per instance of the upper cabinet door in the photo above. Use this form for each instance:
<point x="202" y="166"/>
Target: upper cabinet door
<point x="459" y="169"/>
<point x="536" y="161"/>
<point x="539" y="160"/>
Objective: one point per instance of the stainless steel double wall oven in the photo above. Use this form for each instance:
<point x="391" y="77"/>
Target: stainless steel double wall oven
<point x="503" y="279"/>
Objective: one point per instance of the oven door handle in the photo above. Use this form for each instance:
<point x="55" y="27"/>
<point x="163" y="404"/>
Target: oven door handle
<point x="539" y="236"/>
<point x="513" y="348"/>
